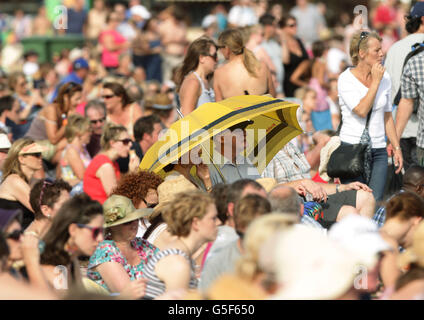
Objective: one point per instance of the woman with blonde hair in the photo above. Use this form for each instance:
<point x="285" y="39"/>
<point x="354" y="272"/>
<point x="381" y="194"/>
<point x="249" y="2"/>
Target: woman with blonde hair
<point x="75" y="158"/>
<point x="192" y="218"/>
<point x="243" y="73"/>
<point x="365" y="98"/>
<point x="255" y="265"/>
<point x="23" y="160"/>
<point x="102" y="174"/>
<point x="193" y="78"/>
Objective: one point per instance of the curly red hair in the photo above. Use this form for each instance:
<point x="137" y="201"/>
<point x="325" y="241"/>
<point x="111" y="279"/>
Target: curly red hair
<point x="135" y="185"/>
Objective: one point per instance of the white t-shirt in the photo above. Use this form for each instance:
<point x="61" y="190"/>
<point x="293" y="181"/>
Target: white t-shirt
<point x="351" y="92"/>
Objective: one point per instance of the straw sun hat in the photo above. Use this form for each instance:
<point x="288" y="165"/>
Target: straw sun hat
<point x="119" y="209"/>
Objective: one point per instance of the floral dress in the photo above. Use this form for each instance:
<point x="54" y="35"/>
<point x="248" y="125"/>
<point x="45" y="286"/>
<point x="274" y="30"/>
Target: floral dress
<point x="107" y="251"/>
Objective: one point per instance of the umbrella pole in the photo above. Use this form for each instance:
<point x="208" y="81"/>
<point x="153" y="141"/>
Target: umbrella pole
<point x="204" y="149"/>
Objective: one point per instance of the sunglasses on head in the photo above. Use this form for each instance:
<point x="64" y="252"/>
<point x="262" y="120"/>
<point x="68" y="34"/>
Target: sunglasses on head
<point x="101" y="120"/>
<point x="108" y="96"/>
<point x="362" y="36"/>
<point x="15" y="235"/>
<point x="126" y="141"/>
<point x="95" y="231"/>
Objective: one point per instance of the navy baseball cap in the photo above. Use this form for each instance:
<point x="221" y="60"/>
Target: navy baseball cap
<point x="418" y="10"/>
<point x="80" y="63"/>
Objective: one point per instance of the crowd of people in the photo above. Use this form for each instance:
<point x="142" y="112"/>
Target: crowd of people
<point x="78" y="217"/>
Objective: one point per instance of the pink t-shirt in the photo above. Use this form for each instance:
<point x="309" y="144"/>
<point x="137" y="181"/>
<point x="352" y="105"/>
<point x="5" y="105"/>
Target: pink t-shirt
<point x="111" y="58"/>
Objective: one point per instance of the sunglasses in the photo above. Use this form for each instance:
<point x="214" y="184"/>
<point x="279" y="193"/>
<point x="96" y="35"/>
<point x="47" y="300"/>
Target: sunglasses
<point x="94" y="231"/>
<point x="15" y="235"/>
<point x="292" y="25"/>
<point x="149" y="205"/>
<point x="362" y="36"/>
<point x="4" y="151"/>
<point x="125" y="142"/>
<point x="213" y="56"/>
<point x="35" y="154"/>
<point x="101" y="120"/>
<point x="108" y="96"/>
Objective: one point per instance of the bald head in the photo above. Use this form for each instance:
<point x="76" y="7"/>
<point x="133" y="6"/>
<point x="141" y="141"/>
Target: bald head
<point x="413" y="180"/>
<point x="284" y="199"/>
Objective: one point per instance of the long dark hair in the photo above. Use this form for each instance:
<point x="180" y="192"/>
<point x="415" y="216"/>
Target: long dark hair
<point x="118" y="90"/>
<point x="198" y="47"/>
<point x="79" y="209"/>
<point x="69" y="89"/>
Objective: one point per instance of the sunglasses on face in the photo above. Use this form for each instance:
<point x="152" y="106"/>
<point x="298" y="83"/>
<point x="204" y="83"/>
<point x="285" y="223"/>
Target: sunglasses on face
<point x="15" y="235"/>
<point x="149" y="205"/>
<point x="108" y="96"/>
<point x="36" y="155"/>
<point x="292" y="25"/>
<point x="94" y="231"/>
<point x="213" y="56"/>
<point x="126" y="142"/>
<point x="101" y="120"/>
<point x="6" y="151"/>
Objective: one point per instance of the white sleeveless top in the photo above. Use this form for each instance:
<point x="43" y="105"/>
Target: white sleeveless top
<point x="206" y="95"/>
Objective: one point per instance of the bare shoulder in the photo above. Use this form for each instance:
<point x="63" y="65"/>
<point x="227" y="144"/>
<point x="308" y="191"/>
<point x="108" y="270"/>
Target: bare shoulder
<point x="190" y="82"/>
<point x="175" y="262"/>
<point x="14" y="181"/>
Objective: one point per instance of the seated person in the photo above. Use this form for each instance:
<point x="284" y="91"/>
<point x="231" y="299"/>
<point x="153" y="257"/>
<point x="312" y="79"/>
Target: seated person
<point x="232" y="166"/>
<point x="290" y="167"/>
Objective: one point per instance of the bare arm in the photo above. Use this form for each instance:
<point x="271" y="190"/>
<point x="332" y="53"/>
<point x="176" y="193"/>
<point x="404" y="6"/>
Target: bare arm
<point x="53" y="134"/>
<point x="271" y="87"/>
<point x="74" y="160"/>
<point x="107" y="176"/>
<point x="405" y="108"/>
<point x="394" y="140"/>
<point x="297" y="74"/>
<point x="20" y="190"/>
<point x="110" y="45"/>
<point x="168" y="267"/>
<point x="189" y="94"/>
<point x="366" y="103"/>
<point x="114" y="275"/>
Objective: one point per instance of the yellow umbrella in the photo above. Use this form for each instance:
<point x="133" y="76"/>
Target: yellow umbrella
<point x="274" y="124"/>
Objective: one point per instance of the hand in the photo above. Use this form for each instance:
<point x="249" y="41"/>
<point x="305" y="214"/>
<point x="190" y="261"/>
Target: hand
<point x="134" y="290"/>
<point x="318" y="193"/>
<point x="398" y="160"/>
<point x="203" y="172"/>
<point x="134" y="161"/>
<point x="389" y="150"/>
<point x="300" y="190"/>
<point x="377" y="72"/>
<point x="355" y="186"/>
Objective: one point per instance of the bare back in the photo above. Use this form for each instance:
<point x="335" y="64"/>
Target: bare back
<point x="232" y="79"/>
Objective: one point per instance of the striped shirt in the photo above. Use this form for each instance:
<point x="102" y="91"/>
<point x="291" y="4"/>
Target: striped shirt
<point x="156" y="287"/>
<point x="412" y="87"/>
